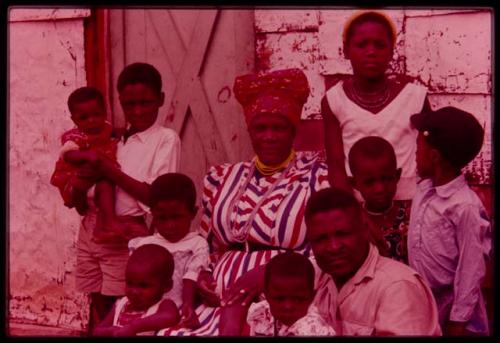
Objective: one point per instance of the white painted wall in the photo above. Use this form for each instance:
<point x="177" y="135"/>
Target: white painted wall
<point x="46" y="63"/>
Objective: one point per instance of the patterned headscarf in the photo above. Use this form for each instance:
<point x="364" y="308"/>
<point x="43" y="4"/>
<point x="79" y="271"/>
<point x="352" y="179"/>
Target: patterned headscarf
<point x="280" y="92"/>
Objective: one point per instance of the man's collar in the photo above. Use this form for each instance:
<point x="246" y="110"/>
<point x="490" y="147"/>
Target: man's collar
<point x="367" y="269"/>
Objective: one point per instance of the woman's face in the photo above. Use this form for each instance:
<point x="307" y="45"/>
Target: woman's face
<point x="369" y="49"/>
<point x="272" y="137"/>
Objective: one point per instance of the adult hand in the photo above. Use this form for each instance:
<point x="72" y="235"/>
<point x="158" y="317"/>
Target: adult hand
<point x="189" y="318"/>
<point x="246" y="288"/>
<point x="205" y="286"/>
<point x="81" y="156"/>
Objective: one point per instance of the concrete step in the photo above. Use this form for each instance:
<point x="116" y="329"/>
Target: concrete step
<point x="23" y="329"/>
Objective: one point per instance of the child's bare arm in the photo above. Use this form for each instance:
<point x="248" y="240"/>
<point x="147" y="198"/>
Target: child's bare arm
<point x="105" y="327"/>
<point x="79" y="188"/>
<point x="188" y="315"/>
<point x="102" y="167"/>
<point x="166" y="316"/>
<point x="334" y="146"/>
<point x="105" y="199"/>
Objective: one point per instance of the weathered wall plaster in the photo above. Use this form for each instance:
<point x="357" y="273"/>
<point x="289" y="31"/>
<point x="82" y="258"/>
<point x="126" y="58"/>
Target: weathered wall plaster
<point x="46" y="63"/>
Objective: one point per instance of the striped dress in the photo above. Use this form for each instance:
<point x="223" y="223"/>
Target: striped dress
<point x="239" y="205"/>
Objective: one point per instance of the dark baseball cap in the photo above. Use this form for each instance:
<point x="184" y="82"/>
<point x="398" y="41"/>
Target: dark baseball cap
<point x="456" y="134"/>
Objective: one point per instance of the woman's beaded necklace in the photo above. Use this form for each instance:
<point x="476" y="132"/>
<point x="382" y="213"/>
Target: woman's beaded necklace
<point x="370" y="100"/>
<point x="240" y="233"/>
<point x="270" y="170"/>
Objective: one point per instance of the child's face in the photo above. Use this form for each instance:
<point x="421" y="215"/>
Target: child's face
<point x="369" y="49"/>
<point x="89" y="116"/>
<point x="377" y="180"/>
<point x="424" y="157"/>
<point x="289" y="298"/>
<point x="140" y="105"/>
<point x="143" y="287"/>
<point x="172" y="219"/>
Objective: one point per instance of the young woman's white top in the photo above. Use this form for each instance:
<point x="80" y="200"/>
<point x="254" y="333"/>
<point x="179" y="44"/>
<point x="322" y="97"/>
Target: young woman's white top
<point x="391" y="123"/>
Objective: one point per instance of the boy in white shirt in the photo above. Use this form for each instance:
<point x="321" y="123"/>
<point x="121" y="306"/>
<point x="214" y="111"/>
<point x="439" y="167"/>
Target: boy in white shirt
<point x="173" y="205"/>
<point x="145" y="151"/>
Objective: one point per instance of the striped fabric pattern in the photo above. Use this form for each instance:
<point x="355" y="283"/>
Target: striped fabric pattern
<point x="279" y="223"/>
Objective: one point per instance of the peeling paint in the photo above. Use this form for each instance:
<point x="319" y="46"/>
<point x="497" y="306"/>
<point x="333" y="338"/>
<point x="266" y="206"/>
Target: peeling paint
<point x="224" y="94"/>
<point x="46" y="64"/>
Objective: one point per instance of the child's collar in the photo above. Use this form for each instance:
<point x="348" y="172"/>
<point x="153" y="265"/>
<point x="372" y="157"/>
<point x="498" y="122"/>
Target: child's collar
<point x="449" y="188"/>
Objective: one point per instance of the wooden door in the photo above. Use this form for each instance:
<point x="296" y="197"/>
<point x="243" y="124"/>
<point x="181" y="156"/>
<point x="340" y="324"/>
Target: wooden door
<point x="198" y="53"/>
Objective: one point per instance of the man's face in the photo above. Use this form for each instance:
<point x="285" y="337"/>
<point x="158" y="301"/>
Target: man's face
<point x="339" y="240"/>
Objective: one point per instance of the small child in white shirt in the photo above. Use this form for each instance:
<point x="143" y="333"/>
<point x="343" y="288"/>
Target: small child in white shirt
<point x="173" y="198"/>
<point x="288" y="308"/>
<point x="144" y="309"/>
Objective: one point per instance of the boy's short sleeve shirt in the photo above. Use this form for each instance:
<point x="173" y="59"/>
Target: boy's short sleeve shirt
<point x="145" y="156"/>
<point x="449" y="240"/>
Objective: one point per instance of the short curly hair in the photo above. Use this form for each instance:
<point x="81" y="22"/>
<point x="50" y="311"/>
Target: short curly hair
<point x="173" y="186"/>
<point x="142" y="73"/>
<point x="84" y="94"/>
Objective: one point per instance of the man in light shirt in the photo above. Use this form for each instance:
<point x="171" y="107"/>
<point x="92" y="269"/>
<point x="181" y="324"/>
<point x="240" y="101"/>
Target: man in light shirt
<point x="359" y="292"/>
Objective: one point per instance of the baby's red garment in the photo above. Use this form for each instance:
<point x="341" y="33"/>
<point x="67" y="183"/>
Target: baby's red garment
<point x="103" y="143"/>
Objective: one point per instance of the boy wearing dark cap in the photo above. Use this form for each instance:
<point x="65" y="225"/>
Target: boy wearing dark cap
<point x="449" y="237"/>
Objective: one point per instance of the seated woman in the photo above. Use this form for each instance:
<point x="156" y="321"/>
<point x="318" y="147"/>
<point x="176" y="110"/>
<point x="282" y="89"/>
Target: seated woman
<point x="254" y="210"/>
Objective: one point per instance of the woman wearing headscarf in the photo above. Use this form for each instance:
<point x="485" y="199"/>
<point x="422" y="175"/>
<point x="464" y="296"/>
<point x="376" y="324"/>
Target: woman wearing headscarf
<point x="253" y="210"/>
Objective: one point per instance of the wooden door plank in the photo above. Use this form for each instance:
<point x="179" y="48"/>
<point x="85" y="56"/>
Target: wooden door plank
<point x="191" y="67"/>
<point x="171" y="43"/>
<point x="135" y="36"/>
<point x="117" y="61"/>
<point x="206" y="125"/>
<point x="185" y="21"/>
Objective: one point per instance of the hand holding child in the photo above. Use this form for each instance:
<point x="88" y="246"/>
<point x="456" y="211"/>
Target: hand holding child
<point x="206" y="289"/>
<point x="189" y="318"/>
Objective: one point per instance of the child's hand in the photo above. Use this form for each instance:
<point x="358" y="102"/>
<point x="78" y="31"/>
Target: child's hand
<point x="206" y="289"/>
<point x="189" y="318"/>
<point x="110" y="230"/>
<point x="100" y="236"/>
<point x="133" y="228"/>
